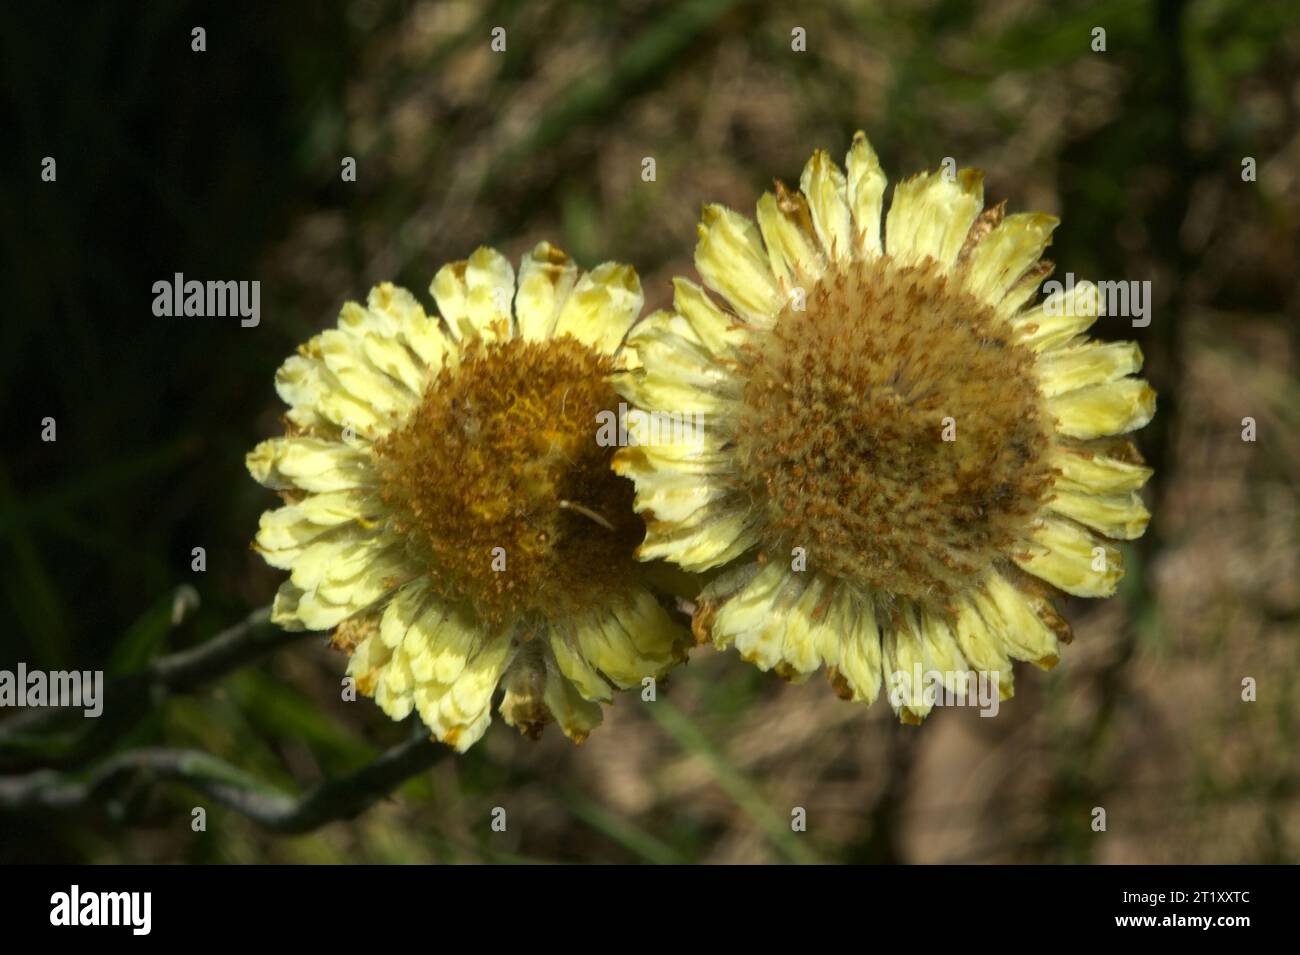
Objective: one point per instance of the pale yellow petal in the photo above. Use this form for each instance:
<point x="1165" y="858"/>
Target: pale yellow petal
<point x="792" y="249"/>
<point x="311" y="464"/>
<point x="395" y="334"/>
<point x="653" y="448"/>
<point x="931" y="216"/>
<point x="674" y="498"/>
<point x="284" y="608"/>
<point x="903" y="669"/>
<point x="395" y="360"/>
<point x="574" y="665"/>
<point x="922" y="662"/>
<point x="709" y="457"/>
<point x="645" y="637"/>
<point x="860" y="654"/>
<point x="383" y="314"/>
<point x="602" y="307"/>
<point x="546" y="277"/>
<point x="750" y="607"/>
<point x="339" y="507"/>
<point x="731" y="260"/>
<point x="762" y="639"/>
<point x="344" y="355"/>
<point x="1004" y="255"/>
<point x="1096" y="473"/>
<point x="657" y="637"/>
<point x="983" y="649"/>
<point x="831" y="622"/>
<point x="370" y="658"/>
<point x="282" y="533"/>
<point x="1086" y="364"/>
<point x="459" y="715"/>
<point x="379" y="573"/>
<point x="1121" y="516"/>
<point x="394" y="690"/>
<point x="298" y="380"/>
<point x="1024" y="290"/>
<point x="866" y="191"/>
<point x="801" y="647"/>
<point x="825" y="188"/>
<point x="575" y="716"/>
<point x="319" y="400"/>
<point x="608" y="646"/>
<point x="1010" y="616"/>
<point x="401" y="613"/>
<point x="317" y="613"/>
<point x="715" y="329"/>
<point x="440" y="643"/>
<point x="1060" y="317"/>
<point x="1068" y="556"/>
<point x="1115" y="408"/>
<point x="475" y="296"/>
<point x="425" y="338"/>
<point x="677" y="371"/>
<point x="710" y="537"/>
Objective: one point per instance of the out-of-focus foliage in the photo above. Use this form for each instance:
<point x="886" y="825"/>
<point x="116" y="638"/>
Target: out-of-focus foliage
<point x="226" y="164"/>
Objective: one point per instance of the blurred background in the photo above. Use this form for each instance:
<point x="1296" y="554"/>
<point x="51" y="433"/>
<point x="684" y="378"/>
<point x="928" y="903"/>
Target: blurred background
<point x="226" y="164"/>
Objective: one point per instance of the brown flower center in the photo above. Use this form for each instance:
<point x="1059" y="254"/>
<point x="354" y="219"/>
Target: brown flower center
<point x="501" y="489"/>
<point x="894" y="430"/>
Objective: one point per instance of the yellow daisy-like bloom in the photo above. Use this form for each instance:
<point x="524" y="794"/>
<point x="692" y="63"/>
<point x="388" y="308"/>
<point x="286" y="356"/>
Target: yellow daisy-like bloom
<point x="901" y="462"/>
<point x="448" y="510"/>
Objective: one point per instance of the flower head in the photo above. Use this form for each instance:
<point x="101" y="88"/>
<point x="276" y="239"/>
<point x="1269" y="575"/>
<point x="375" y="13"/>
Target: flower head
<point x="903" y="461"/>
<point x="448" y="510"/>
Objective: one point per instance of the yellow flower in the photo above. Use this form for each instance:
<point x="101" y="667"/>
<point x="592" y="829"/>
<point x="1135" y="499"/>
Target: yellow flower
<point x="448" y="510"/>
<point x="901" y="461"/>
